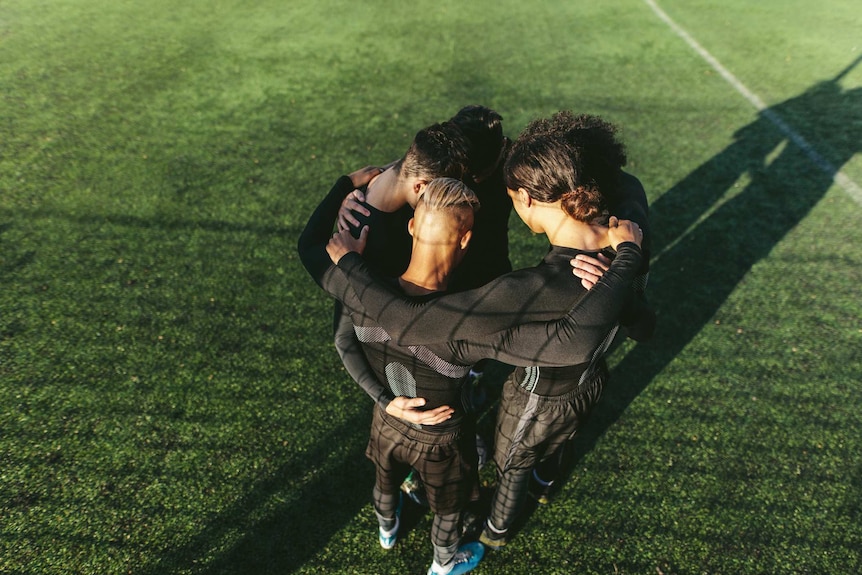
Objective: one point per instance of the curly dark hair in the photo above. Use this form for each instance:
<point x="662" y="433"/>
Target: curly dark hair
<point x="568" y="158"/>
<point x="438" y="151"/>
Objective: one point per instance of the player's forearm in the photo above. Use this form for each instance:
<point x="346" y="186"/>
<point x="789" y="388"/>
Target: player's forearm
<point x="515" y="298"/>
<point x="312" y="242"/>
<point x="354" y="360"/>
<point x="573" y="339"/>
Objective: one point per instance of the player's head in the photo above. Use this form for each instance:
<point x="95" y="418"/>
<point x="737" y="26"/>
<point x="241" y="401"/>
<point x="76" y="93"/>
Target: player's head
<point x="483" y="128"/>
<point x="597" y="151"/>
<point x="444" y="214"/>
<point x="549" y="170"/>
<point x="575" y="160"/>
<point x="438" y="151"/>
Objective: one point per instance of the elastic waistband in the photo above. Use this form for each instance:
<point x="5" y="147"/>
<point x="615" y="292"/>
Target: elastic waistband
<point x="597" y="377"/>
<point x="419" y="433"/>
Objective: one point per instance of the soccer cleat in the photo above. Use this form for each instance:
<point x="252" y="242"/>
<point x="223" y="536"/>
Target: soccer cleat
<point x="388" y="538"/>
<point x="540" y="490"/>
<point x="466" y="559"/>
<point x="492" y="540"/>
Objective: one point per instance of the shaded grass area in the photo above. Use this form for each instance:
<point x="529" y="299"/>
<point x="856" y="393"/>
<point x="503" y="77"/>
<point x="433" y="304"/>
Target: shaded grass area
<point x="169" y="398"/>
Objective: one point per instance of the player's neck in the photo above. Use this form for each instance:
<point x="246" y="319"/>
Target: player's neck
<point x="570" y="233"/>
<point x="387" y="192"/>
<point x="428" y="272"/>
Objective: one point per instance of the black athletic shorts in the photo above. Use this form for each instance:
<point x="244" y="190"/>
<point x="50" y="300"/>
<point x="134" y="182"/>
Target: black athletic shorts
<point x="447" y="463"/>
<point x="531" y="427"/>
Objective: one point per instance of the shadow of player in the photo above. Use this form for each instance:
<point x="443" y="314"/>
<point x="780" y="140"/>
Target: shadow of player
<point x="708" y="234"/>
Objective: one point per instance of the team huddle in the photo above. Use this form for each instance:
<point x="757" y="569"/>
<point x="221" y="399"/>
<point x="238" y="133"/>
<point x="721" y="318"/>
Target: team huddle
<point x="425" y="296"/>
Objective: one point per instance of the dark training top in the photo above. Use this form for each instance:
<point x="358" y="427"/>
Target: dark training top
<point x="389" y="241"/>
<point x="539" y="293"/>
<point x="627" y="200"/>
<point x="525" y="295"/>
<point x="388" y="254"/>
<point x="473" y="325"/>
<point x="390" y="244"/>
<point x="487" y="255"/>
<point x="435" y="371"/>
<point x="388" y="250"/>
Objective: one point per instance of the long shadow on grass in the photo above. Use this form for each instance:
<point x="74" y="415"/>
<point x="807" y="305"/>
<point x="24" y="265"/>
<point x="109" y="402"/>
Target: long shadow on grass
<point x="286" y="518"/>
<point x="287" y="535"/>
<point x="700" y="263"/>
<point x="12" y="260"/>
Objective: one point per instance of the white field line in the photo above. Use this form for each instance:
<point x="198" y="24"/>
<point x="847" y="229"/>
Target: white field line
<point x="839" y="177"/>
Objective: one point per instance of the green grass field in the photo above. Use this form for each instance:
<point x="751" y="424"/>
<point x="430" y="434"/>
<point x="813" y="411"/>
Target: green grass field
<point x="170" y="400"/>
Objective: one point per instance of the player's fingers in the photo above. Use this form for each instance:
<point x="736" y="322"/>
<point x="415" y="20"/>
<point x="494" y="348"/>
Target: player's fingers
<point x="346" y="219"/>
<point x="601" y="262"/>
<point x="428" y="420"/>
<point x="434" y="417"/>
<point x="355" y="204"/>
<point x="598" y="265"/>
<point x="441" y="417"/>
<point x="414" y="401"/>
<point x="586" y="278"/>
<point x="586" y="270"/>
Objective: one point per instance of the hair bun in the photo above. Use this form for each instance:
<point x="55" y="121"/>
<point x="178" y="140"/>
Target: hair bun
<point x="583" y="203"/>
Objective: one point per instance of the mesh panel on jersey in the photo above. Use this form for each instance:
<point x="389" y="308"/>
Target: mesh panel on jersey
<point x="439" y="364"/>
<point x="374" y="334"/>
<point x="400" y="380"/>
<point x="531" y="377"/>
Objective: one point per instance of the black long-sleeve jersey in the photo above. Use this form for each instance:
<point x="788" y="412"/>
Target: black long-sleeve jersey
<point x="532" y="294"/>
<point x="487" y="255"/>
<point x="539" y="293"/>
<point x="434" y="371"/>
<point x="388" y="254"/>
<point x="472" y="325"/>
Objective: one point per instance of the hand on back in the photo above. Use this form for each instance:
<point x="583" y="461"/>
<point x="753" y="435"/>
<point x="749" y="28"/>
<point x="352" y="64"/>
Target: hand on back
<point x="408" y="409"/>
<point x="591" y="269"/>
<point x="343" y="243"/>
<point x="353" y="202"/>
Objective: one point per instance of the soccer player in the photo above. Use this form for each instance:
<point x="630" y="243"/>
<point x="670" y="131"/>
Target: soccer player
<point x="603" y="159"/>
<point x="443" y="454"/>
<point x="487" y="258"/>
<point x="436" y="151"/>
<point x="385" y="208"/>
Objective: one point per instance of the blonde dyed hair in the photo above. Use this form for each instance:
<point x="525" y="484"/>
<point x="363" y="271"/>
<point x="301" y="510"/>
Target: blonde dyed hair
<point x="452" y="196"/>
